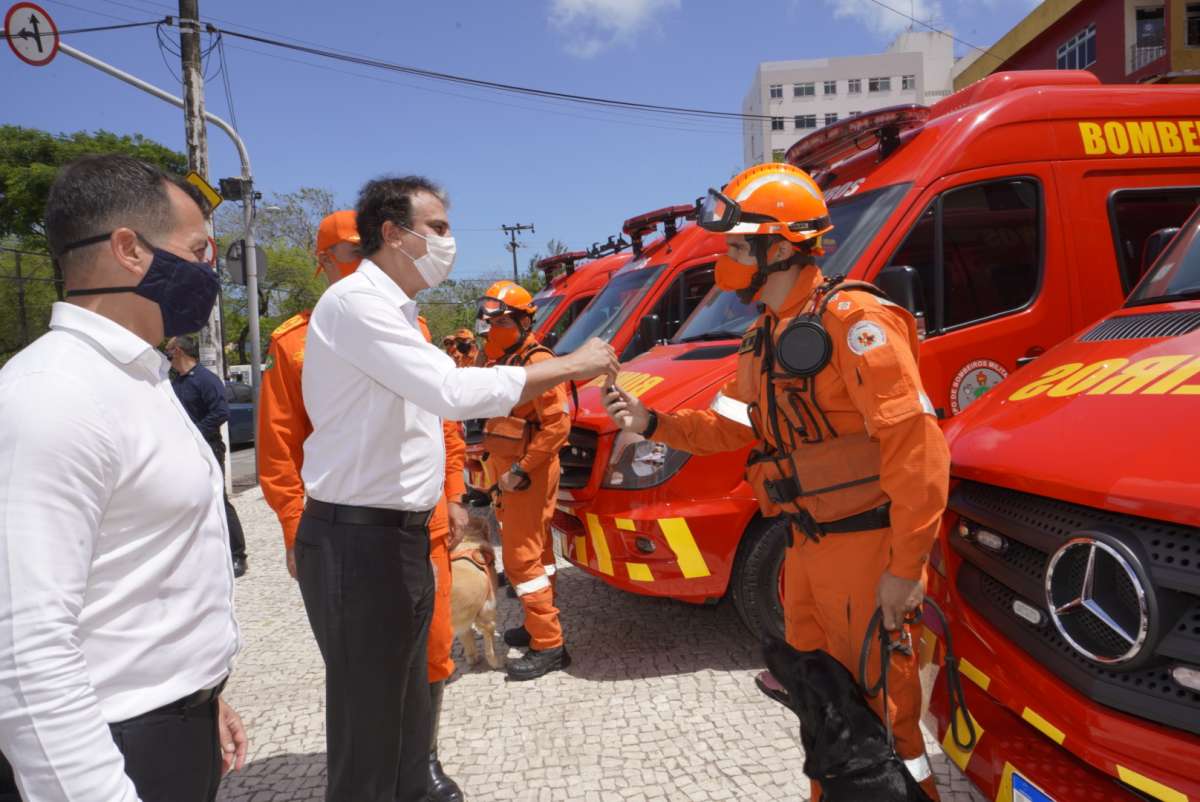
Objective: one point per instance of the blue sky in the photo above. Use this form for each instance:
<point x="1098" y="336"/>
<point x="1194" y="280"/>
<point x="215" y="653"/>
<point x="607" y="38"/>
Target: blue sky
<point x="576" y="172"/>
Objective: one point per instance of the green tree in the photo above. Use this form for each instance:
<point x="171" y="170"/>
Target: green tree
<point x="29" y="161"/>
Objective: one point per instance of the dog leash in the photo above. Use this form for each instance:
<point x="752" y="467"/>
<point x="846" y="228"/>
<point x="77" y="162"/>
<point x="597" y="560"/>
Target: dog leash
<point x="887" y="645"/>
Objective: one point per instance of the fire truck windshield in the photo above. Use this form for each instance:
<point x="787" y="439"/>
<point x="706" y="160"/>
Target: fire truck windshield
<point x="856" y="220"/>
<point x="1176" y="274"/>
<point x="608" y="310"/>
<point x="545" y="305"/>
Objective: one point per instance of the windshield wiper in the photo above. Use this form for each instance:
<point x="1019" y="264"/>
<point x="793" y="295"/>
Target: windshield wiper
<point x="1189" y="294"/>
<point x="719" y="334"/>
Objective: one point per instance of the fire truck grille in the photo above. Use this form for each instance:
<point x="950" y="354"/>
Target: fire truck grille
<point x="1007" y="540"/>
<point x="1133" y="327"/>
<point x="577" y="458"/>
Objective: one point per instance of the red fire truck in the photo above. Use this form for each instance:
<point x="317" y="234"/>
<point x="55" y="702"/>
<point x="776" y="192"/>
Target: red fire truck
<point x="1070" y="557"/>
<point x="1008" y="215"/>
<point x="571" y="286"/>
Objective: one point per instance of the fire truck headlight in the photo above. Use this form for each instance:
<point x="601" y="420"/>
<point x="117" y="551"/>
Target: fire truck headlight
<point x="639" y="463"/>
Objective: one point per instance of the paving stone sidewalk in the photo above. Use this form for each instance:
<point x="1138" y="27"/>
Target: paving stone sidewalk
<point x="659" y="705"/>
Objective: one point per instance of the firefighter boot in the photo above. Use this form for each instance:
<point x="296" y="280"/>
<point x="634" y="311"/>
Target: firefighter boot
<point x="441" y="787"/>
<point x="517" y="637"/>
<point x="535" y="663"/>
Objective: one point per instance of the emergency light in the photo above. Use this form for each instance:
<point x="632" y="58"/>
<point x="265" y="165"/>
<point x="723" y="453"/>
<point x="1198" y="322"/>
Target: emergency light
<point x="821" y="149"/>
<point x="645" y="224"/>
<point x="566" y="261"/>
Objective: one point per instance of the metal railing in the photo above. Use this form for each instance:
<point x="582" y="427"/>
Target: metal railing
<point x="1141" y="55"/>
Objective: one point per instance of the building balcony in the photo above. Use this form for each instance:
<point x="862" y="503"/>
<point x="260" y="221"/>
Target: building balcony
<point x="1141" y="55"/>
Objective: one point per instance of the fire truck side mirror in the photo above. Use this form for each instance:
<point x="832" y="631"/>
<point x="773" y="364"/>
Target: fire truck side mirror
<point x="903" y="285"/>
<point x="1155" y="243"/>
<point x="649" y="331"/>
<point x="550" y="339"/>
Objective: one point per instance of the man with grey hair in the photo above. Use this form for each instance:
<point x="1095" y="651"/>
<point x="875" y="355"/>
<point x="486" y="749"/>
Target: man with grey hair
<point x="117" y="632"/>
<point x="203" y="396"/>
<point x="373" y="470"/>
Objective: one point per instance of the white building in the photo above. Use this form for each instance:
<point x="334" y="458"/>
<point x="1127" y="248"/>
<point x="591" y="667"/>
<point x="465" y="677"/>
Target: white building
<point x="802" y="96"/>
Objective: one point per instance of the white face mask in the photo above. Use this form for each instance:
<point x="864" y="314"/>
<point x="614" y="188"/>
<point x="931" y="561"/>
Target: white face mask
<point x="435" y="265"/>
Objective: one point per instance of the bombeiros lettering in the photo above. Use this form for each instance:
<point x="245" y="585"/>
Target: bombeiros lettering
<point x="1139" y="137"/>
<point x="1171" y="374"/>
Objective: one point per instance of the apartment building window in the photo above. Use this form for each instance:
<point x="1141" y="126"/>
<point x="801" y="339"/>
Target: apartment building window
<point x="1193" y="25"/>
<point x="831" y="87"/>
<point x="879" y="85"/>
<point x="1078" y="52"/>
<point x="804" y="89"/>
<point x="830" y="119"/>
<point x="777" y="154"/>
<point x="805" y="121"/>
<point x="908" y="82"/>
<point x="776" y="91"/>
<point x="776" y="123"/>
<point x="855" y="113"/>
<point x="854" y="86"/>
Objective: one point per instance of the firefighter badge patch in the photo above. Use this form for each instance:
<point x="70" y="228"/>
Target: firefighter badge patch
<point x="865" y="335"/>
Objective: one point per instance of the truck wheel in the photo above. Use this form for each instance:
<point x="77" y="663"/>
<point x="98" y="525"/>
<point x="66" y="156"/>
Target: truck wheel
<point x="756" y="583"/>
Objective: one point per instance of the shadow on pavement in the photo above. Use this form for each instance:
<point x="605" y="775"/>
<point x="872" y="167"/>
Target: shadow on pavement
<point x="296" y="777"/>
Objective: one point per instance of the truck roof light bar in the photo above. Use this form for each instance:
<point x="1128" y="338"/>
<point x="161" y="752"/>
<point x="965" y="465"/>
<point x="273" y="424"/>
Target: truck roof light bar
<point x="566" y="261"/>
<point x="645" y="224"/>
<point x="823" y="148"/>
<point x="615" y="244"/>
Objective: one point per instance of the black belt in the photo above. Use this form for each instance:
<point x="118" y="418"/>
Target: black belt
<point x="877" y="518"/>
<point x="197" y="699"/>
<point x="366" y="516"/>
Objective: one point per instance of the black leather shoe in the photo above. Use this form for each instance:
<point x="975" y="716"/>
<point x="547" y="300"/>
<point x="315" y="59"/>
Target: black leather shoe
<point x="441" y="787"/>
<point x="534" y="663"/>
<point x="239" y="566"/>
<point x="517" y="637"/>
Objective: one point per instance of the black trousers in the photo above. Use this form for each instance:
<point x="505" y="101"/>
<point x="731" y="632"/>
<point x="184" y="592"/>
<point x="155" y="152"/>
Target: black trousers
<point x="171" y="757"/>
<point x="368" y="591"/>
<point x="237" y="538"/>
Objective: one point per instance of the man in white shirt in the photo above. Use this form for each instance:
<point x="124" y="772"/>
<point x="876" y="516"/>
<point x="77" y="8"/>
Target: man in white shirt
<point x="375" y="391"/>
<point x="116" y="610"/>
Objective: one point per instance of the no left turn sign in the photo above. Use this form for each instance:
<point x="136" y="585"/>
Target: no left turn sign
<point x="31" y="34"/>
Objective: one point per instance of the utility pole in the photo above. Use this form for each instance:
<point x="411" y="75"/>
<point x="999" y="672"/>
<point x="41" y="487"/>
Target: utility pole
<point x="196" y="131"/>
<point x="512" y="232"/>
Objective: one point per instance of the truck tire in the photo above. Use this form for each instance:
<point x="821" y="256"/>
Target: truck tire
<point x="756" y="577"/>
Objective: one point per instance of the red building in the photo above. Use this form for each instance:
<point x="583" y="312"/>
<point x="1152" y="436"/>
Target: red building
<point x="1122" y="41"/>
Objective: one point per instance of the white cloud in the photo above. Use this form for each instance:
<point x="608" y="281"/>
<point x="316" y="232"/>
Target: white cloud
<point x="592" y="26"/>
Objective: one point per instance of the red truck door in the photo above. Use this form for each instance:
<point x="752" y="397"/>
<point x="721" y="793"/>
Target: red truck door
<point x="989" y="248"/>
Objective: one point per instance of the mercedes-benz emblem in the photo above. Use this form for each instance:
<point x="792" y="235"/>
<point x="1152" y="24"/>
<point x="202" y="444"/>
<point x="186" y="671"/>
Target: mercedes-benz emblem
<point x="1097" y="601"/>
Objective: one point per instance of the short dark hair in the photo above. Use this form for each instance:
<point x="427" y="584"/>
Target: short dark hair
<point x="189" y="344"/>
<point x="98" y="193"/>
<point x="389" y="199"/>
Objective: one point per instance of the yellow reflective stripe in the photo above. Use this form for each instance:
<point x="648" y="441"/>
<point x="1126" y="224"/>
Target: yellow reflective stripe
<point x="1151" y="787"/>
<point x="639" y="572"/>
<point x="599" y="545"/>
<point x="581" y="550"/>
<point x="959" y="756"/>
<point x="679" y="538"/>
<point x="624" y="523"/>
<point x="972" y="672"/>
<point x="1046" y="728"/>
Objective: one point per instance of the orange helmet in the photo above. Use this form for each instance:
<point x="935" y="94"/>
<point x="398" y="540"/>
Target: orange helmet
<point x="764" y="200"/>
<point x="464" y="334"/>
<point x="505" y="298"/>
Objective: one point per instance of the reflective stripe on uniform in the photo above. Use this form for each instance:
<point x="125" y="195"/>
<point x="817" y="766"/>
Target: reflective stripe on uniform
<point x="532" y="586"/>
<point x="927" y="405"/>
<point x="550" y="568"/>
<point x="731" y="408"/>
<point x="919" y="768"/>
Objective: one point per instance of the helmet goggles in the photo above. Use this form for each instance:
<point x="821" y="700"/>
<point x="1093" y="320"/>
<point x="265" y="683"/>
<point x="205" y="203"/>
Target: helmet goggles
<point x="721" y="214"/>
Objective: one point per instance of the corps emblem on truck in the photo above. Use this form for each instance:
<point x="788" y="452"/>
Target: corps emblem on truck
<point x="975" y="379"/>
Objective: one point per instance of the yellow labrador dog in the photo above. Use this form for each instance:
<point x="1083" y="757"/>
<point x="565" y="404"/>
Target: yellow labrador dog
<point x="473" y="593"/>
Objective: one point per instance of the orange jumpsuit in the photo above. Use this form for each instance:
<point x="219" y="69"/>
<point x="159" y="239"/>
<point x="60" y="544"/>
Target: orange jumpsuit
<point x="283" y="425"/>
<point x="525" y="515"/>
<point x="871" y="385"/>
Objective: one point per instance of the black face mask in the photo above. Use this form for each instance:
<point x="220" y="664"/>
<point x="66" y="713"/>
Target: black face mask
<point x="185" y="291"/>
<point x="463" y="347"/>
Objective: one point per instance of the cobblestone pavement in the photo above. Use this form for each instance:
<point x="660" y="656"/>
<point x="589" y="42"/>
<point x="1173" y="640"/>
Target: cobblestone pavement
<point x="659" y="704"/>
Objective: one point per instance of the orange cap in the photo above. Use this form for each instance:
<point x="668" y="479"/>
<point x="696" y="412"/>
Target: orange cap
<point x="464" y="334"/>
<point x="338" y="227"/>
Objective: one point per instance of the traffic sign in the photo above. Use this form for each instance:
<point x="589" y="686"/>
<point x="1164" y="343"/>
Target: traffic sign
<point x="31" y="34"/>
<point x="211" y="195"/>
<point x="235" y="262"/>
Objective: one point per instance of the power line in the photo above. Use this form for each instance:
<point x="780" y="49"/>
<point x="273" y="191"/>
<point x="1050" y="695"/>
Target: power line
<point x="497" y="86"/>
<point x="91" y="30"/>
<point x="983" y="50"/>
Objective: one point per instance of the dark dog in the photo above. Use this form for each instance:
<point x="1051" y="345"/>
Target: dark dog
<point x="845" y="744"/>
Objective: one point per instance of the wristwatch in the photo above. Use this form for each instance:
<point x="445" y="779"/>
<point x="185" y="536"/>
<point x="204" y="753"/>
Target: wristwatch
<point x="522" y="477"/>
<point x="652" y="425"/>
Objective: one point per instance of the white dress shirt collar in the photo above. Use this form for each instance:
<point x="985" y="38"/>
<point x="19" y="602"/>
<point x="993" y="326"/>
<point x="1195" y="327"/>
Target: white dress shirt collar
<point x="384" y="283"/>
<point x="109" y="336"/>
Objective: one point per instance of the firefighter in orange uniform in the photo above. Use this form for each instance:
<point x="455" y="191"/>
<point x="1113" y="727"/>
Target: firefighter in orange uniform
<point x="522" y="450"/>
<point x="848" y="446"/>
<point x="464" y="350"/>
<point x="283" y="426"/>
